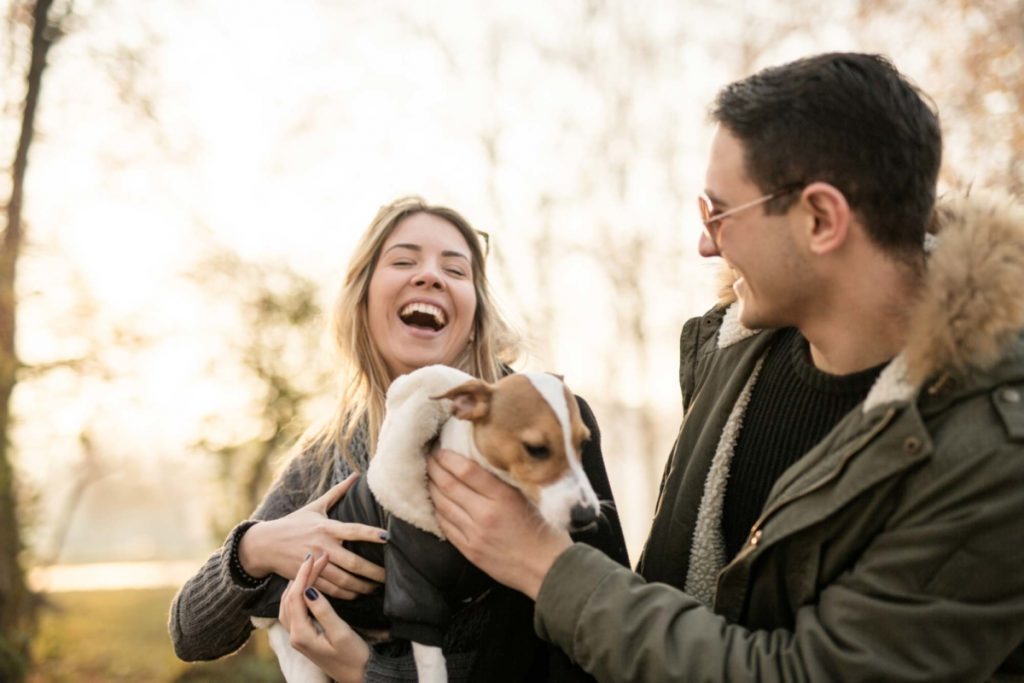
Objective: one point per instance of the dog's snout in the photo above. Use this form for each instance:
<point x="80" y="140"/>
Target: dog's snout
<point x="582" y="516"/>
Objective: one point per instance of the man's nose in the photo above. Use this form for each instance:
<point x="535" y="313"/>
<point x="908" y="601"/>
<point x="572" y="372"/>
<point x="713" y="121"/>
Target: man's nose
<point x="706" y="246"/>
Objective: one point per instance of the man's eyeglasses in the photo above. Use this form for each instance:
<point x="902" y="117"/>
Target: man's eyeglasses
<point x="713" y="221"/>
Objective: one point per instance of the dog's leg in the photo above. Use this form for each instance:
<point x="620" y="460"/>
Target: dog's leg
<point x="294" y="665"/>
<point x="430" y="666"/>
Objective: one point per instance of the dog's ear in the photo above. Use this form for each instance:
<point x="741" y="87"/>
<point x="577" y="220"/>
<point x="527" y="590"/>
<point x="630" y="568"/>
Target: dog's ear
<point x="470" y="400"/>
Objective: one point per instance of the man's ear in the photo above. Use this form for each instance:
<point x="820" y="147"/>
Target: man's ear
<point x="831" y="215"/>
<point x="470" y="400"/>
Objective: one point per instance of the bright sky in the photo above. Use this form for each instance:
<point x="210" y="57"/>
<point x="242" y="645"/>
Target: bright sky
<point x="277" y="129"/>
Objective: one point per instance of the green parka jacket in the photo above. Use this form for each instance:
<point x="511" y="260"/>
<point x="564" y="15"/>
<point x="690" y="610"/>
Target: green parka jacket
<point x="892" y="551"/>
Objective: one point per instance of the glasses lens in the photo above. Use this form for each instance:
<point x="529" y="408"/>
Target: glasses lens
<point x="705" y="209"/>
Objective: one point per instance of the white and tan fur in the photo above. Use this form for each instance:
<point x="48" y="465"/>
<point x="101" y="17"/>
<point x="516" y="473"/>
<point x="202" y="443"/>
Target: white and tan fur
<point x="525" y="429"/>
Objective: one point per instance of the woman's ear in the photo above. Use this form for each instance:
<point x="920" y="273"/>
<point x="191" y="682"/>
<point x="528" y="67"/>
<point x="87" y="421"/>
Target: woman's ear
<point x="831" y="215"/>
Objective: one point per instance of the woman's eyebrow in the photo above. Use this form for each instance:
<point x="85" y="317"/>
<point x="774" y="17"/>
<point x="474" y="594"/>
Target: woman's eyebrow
<point x="413" y="247"/>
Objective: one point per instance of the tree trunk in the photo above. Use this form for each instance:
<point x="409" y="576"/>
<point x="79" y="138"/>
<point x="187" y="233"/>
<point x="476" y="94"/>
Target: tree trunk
<point x="17" y="607"/>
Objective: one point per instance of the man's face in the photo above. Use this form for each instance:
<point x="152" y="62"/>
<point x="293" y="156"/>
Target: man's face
<point x="760" y="249"/>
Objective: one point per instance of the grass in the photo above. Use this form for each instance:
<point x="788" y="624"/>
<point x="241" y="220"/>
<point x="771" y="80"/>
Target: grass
<point x="121" y="637"/>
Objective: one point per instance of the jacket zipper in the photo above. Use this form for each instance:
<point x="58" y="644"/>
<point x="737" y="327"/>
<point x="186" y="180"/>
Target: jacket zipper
<point x="753" y="539"/>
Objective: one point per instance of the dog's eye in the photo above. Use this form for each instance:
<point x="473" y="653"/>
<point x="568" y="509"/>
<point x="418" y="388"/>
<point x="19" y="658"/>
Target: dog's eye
<point x="538" y="452"/>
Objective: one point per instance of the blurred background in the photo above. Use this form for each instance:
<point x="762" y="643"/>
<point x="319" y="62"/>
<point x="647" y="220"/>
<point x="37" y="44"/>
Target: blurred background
<point x="183" y="180"/>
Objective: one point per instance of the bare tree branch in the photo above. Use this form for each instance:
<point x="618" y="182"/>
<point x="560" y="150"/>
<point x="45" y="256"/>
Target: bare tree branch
<point x="17" y="611"/>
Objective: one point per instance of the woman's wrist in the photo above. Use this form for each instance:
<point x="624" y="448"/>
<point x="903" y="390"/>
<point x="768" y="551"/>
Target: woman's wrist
<point x="246" y="555"/>
<point x="353" y="670"/>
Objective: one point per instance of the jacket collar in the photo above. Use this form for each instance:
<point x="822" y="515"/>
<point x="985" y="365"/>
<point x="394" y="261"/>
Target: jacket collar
<point x="970" y="310"/>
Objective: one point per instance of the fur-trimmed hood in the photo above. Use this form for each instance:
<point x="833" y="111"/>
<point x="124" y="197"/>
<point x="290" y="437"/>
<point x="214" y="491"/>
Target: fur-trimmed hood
<point x="971" y="305"/>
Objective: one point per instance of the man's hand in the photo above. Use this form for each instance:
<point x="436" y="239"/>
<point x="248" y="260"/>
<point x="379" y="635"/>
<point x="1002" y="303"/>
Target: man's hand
<point x="492" y="523"/>
<point x="328" y="641"/>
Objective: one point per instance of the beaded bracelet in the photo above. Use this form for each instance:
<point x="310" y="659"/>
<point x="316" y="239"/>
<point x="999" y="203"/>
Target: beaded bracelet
<point x="238" y="573"/>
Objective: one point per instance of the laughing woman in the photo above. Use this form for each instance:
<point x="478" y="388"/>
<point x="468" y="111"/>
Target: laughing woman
<point x="415" y="294"/>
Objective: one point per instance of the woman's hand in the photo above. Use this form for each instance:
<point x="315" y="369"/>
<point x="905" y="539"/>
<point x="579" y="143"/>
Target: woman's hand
<point x="278" y="546"/>
<point x="492" y="523"/>
<point x="328" y="641"/>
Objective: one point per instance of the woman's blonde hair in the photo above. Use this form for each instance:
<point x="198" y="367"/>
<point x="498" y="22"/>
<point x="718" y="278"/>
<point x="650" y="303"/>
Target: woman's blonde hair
<point x="363" y="372"/>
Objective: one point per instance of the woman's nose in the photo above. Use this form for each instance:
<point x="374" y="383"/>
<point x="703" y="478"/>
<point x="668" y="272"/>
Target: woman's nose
<point x="428" y="276"/>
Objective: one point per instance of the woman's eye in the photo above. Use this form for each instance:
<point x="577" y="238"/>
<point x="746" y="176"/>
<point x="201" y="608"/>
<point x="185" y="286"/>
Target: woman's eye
<point x="457" y="272"/>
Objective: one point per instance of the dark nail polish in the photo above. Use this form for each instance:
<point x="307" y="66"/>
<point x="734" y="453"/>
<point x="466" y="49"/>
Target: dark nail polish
<point x="384" y="535"/>
<point x="311" y="593"/>
<point x="306" y="558"/>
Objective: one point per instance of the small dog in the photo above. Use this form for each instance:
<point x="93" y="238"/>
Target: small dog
<point x="526" y="429"/>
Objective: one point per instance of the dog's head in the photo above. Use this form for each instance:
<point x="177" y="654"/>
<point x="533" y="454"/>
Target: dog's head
<point x="528" y="428"/>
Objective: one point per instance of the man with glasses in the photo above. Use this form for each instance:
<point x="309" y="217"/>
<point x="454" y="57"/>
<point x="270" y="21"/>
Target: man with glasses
<point x="845" y="499"/>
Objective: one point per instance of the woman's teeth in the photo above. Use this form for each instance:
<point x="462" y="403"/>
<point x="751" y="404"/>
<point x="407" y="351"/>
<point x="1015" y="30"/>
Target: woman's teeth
<point x="423" y="315"/>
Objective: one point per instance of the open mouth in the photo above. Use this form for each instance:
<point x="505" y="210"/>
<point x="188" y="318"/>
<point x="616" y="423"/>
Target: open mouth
<point x="424" y="316"/>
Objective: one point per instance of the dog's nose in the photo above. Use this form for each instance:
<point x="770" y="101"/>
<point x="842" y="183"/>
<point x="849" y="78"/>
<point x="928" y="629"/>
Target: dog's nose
<point x="582" y="516"/>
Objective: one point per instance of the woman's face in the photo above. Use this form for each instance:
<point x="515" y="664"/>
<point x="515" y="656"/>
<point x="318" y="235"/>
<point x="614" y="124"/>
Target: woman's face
<point x="422" y="301"/>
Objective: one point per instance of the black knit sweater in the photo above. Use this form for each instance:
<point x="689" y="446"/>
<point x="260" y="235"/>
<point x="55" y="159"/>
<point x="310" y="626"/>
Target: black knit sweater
<point x="793" y="405"/>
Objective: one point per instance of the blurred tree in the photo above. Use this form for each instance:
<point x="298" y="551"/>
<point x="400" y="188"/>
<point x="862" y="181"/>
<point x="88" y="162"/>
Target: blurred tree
<point x="270" y="350"/>
<point x="276" y="346"/>
<point x="17" y="604"/>
<point x="976" y="75"/>
<point x="83" y="474"/>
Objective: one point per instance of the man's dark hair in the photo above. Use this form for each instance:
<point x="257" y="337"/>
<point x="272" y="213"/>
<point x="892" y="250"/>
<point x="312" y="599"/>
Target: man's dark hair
<point x="848" y="119"/>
